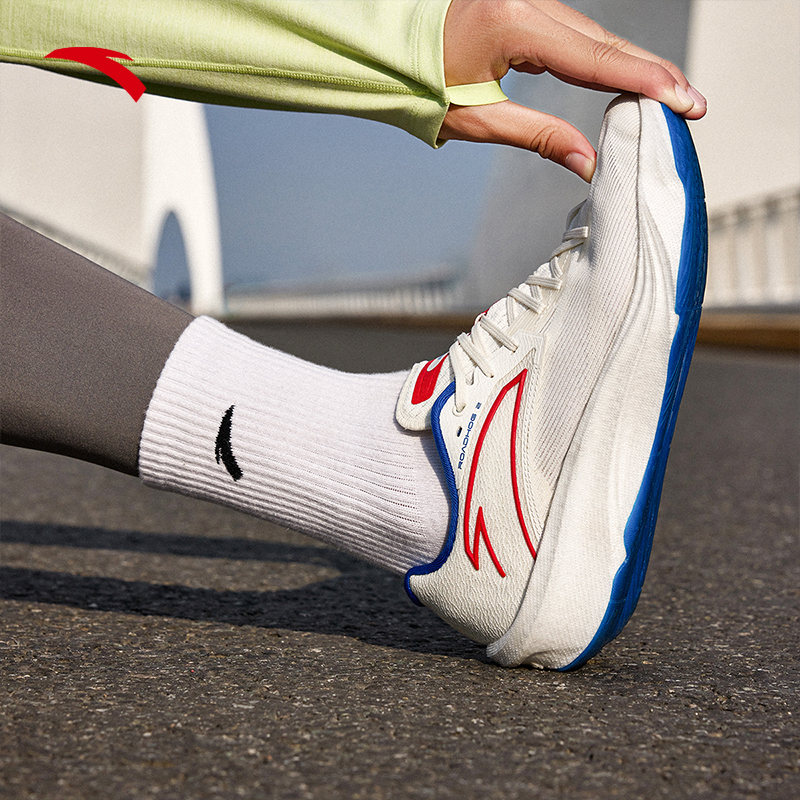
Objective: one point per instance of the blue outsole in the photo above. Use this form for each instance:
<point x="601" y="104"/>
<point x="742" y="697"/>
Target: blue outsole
<point x="638" y="536"/>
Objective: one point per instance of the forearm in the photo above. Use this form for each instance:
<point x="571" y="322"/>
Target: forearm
<point x="381" y="60"/>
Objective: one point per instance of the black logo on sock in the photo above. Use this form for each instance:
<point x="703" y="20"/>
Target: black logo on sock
<point x="223" y="450"/>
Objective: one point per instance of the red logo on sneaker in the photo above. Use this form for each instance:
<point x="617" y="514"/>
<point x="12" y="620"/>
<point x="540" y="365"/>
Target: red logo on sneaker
<point x="426" y="381"/>
<point x="472" y="543"/>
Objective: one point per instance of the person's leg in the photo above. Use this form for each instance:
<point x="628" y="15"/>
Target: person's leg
<point x="98" y="369"/>
<point x="311" y="448"/>
<point x="81" y="350"/>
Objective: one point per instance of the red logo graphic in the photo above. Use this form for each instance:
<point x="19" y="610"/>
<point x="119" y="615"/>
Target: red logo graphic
<point x="426" y="381"/>
<point x="472" y="544"/>
<point x="101" y="60"/>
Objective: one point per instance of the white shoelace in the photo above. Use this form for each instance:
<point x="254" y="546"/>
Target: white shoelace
<point x="475" y="350"/>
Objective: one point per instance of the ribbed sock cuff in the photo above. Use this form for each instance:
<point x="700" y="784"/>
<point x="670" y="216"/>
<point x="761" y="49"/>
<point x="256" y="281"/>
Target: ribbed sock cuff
<point x="316" y="450"/>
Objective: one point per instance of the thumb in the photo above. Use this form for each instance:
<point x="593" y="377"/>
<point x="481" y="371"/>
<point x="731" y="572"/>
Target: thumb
<point x="519" y="126"/>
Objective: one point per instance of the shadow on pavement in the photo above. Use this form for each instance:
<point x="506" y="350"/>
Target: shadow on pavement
<point x="364" y="602"/>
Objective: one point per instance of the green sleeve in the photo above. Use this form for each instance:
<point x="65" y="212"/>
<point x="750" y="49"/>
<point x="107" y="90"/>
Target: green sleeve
<point x="379" y="59"/>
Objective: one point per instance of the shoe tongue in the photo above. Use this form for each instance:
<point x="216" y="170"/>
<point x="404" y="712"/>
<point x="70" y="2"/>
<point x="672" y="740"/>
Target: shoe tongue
<point x="498" y="313"/>
<point x="426" y="381"/>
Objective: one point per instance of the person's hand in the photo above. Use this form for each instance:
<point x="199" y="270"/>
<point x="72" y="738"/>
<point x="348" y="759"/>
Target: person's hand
<point x="483" y="39"/>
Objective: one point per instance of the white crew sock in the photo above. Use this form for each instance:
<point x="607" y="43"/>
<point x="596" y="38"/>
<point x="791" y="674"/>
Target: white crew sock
<point x="305" y="446"/>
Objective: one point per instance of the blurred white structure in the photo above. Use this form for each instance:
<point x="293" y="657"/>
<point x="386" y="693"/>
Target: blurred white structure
<point x="745" y="55"/>
<point x="85" y="165"/>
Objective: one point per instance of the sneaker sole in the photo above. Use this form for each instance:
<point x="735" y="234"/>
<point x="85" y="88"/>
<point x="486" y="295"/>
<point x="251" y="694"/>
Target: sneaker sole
<point x="554" y="627"/>
<point x="586" y="581"/>
<point x="639" y="531"/>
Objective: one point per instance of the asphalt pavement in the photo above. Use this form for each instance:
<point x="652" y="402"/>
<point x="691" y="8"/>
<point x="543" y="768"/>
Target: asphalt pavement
<point x="155" y="646"/>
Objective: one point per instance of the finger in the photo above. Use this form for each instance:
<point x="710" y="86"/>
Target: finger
<point x="588" y="27"/>
<point x="569" y="53"/>
<point x="518" y="126"/>
<point x="696" y="112"/>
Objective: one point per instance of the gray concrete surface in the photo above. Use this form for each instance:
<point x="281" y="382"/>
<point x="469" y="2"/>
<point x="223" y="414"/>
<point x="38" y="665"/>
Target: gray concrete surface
<point x="159" y="647"/>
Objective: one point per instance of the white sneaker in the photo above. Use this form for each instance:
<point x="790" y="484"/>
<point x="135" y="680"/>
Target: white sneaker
<point x="553" y="417"/>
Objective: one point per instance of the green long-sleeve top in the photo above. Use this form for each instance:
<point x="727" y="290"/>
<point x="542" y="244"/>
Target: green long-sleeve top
<point x="379" y="59"/>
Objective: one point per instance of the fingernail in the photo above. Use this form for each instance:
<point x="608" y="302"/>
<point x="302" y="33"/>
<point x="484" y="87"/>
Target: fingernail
<point x="580" y="165"/>
<point x="684" y="97"/>
<point x="699" y="100"/>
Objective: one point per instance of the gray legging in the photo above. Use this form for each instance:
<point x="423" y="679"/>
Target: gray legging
<point x="81" y="350"/>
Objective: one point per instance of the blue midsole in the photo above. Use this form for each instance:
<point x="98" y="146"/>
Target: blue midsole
<point x="639" y="530"/>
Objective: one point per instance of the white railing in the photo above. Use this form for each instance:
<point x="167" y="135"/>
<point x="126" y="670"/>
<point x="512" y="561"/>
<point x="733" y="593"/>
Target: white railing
<point x="754" y="253"/>
<point x="423" y="298"/>
<point x="753" y="262"/>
